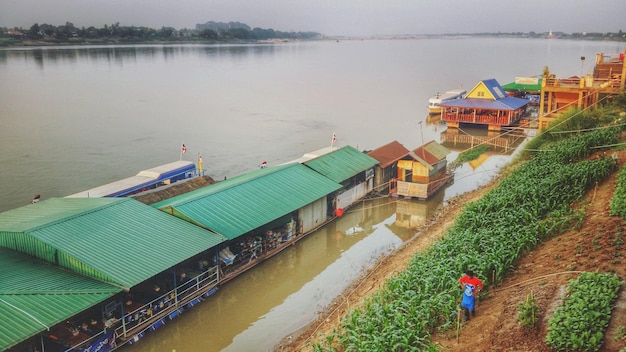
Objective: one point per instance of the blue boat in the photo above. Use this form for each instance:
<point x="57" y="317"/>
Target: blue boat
<point x="145" y="180"/>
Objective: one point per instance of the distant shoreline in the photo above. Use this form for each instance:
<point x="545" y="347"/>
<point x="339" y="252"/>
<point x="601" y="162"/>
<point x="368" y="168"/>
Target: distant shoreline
<point x="51" y="43"/>
<point x="12" y="42"/>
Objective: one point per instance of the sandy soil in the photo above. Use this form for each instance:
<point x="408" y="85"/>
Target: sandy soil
<point x="542" y="273"/>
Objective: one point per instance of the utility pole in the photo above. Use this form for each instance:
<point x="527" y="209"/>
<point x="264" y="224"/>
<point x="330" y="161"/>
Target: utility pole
<point x="422" y="145"/>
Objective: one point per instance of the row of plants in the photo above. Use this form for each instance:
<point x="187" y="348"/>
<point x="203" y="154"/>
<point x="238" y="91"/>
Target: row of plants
<point x="580" y="321"/>
<point x="529" y="205"/>
<point x="618" y="201"/>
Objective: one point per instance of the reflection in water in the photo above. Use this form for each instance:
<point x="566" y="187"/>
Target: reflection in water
<point x="501" y="142"/>
<point x="279" y="296"/>
<point x="502" y="147"/>
<point x="411" y="214"/>
<point x="121" y="54"/>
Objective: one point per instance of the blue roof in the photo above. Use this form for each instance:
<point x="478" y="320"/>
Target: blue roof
<point x="501" y="101"/>
<point x="506" y="103"/>
<point x="495" y="88"/>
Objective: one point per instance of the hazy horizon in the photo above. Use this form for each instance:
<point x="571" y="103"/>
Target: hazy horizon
<point x="329" y="17"/>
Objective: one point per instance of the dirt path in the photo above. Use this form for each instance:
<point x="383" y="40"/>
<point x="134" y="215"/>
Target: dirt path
<point x="543" y="273"/>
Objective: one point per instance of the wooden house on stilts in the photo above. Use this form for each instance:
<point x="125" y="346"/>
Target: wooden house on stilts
<point x="388" y="157"/>
<point x="414" y="174"/>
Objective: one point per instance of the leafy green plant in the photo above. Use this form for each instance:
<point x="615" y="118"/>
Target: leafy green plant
<point x="528" y="312"/>
<point x="580" y="321"/>
<point x="618" y="201"/>
<point x="620" y="334"/>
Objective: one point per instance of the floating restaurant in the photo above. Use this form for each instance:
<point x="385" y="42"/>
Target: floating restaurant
<point x="79" y="275"/>
<point x="485" y="104"/>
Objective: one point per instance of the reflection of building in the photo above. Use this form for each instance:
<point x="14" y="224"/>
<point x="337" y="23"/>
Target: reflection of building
<point x="560" y="94"/>
<point x="486" y="104"/>
<point x="411" y="214"/>
<point x="468" y="138"/>
<point x="432" y="119"/>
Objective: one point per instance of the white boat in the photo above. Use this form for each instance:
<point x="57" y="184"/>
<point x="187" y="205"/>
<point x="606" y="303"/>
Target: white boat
<point x="435" y="101"/>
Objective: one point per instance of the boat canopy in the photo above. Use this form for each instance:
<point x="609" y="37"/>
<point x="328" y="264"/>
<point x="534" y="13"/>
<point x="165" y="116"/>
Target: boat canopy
<point x="149" y="178"/>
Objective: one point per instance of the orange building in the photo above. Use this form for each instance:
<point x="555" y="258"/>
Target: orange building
<point x="561" y="94"/>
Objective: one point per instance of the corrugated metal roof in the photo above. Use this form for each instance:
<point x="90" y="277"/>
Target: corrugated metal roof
<point x="145" y="178"/>
<point x="342" y="164"/>
<point x="238" y="205"/>
<point x="430" y="153"/>
<point x="437" y="150"/>
<point x="495" y="88"/>
<point x="118" y="240"/>
<point x="312" y="155"/>
<point x="506" y="103"/>
<point x="35" y="295"/>
<point x="521" y="87"/>
<point x="389" y="153"/>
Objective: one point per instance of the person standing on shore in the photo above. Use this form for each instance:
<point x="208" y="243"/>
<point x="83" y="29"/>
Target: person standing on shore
<point x="471" y="286"/>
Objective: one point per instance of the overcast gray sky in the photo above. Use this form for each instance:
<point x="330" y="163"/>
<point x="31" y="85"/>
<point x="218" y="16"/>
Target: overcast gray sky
<point x="330" y="17"/>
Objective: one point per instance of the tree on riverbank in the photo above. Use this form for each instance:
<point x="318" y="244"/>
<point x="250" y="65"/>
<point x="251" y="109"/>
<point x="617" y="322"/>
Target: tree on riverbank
<point x="116" y="33"/>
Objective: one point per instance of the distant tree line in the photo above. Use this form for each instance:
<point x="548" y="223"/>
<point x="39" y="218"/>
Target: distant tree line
<point x="210" y="31"/>
<point x="613" y="36"/>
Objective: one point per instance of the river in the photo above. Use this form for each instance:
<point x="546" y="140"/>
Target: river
<point x="72" y="118"/>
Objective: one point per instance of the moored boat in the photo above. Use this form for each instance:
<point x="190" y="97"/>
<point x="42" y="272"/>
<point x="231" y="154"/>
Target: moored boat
<point x="435" y="101"/>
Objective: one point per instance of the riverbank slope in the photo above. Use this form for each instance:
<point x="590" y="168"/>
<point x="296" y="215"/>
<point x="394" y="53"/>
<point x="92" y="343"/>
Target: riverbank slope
<point x="542" y="273"/>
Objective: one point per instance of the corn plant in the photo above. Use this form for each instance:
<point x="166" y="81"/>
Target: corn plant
<point x="530" y="204"/>
<point x="528" y="312"/>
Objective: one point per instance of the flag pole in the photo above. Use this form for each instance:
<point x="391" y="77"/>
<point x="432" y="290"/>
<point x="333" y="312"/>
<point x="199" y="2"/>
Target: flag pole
<point x="199" y="164"/>
<point x="183" y="150"/>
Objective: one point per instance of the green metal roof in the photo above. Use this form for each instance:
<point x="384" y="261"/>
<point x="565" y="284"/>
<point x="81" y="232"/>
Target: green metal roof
<point x="35" y="295"/>
<point x="238" y="205"/>
<point x="342" y="164"/>
<point x="521" y="87"/>
<point x="116" y="240"/>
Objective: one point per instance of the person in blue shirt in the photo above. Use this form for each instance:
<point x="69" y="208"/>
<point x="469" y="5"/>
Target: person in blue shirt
<point x="471" y="287"/>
